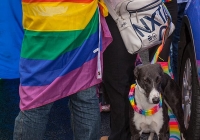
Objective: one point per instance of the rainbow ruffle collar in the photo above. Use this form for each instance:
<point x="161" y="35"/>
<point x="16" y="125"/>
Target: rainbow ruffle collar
<point x="142" y="111"/>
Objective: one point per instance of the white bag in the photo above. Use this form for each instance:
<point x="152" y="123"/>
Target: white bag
<point x="142" y="23"/>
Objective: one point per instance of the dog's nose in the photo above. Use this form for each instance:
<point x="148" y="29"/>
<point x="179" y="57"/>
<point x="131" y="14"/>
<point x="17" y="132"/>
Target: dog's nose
<point x="156" y="100"/>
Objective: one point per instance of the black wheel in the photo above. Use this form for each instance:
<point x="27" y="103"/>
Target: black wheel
<point x="190" y="93"/>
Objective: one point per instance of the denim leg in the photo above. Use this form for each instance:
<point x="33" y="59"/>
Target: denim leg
<point x="85" y="114"/>
<point x="31" y="124"/>
<point x="176" y="37"/>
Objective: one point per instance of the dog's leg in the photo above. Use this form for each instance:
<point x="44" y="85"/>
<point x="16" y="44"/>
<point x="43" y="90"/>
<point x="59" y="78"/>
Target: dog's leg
<point x="182" y="138"/>
<point x="153" y="126"/>
<point x="163" y="133"/>
<point x="151" y="136"/>
<point x="134" y="132"/>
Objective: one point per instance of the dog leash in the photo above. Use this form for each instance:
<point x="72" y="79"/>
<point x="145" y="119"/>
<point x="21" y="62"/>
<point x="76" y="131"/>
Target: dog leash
<point x="166" y="66"/>
<point x="173" y="123"/>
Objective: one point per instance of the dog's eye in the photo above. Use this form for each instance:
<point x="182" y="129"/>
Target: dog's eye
<point x="146" y="80"/>
<point x="158" y="79"/>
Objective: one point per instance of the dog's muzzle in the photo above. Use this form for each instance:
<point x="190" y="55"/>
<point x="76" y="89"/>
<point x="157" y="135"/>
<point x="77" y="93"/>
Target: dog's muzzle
<point x="156" y="100"/>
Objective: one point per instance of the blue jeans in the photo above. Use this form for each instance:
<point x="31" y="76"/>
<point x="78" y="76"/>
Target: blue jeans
<point x="85" y="118"/>
<point x="176" y="37"/>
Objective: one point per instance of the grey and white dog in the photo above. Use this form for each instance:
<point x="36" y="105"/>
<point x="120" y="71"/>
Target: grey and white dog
<point x="151" y="82"/>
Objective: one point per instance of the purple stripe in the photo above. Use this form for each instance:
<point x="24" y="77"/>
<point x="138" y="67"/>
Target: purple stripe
<point x="77" y="80"/>
<point x="173" y="120"/>
<point x="106" y="35"/>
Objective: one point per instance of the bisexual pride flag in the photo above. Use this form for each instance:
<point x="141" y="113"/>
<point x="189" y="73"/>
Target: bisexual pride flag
<point x="61" y="50"/>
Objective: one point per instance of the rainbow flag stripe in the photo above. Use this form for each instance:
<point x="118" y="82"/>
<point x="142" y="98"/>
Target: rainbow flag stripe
<point x="167" y="0"/>
<point x="61" y="50"/>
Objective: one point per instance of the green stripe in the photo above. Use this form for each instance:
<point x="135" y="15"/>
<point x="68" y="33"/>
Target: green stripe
<point x="50" y="45"/>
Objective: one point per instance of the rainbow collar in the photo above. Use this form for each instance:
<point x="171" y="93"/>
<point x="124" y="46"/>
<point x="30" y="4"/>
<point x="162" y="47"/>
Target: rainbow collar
<point x="141" y="111"/>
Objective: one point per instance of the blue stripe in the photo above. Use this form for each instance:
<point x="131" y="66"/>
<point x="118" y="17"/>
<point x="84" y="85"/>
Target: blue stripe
<point x="172" y="116"/>
<point x="175" y="137"/>
<point x="43" y="72"/>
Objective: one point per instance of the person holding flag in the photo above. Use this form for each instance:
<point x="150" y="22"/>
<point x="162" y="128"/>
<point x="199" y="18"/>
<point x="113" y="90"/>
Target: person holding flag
<point x="61" y="56"/>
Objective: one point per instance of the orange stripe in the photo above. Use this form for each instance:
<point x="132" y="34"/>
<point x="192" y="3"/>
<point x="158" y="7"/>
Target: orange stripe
<point x="174" y="127"/>
<point x="75" y="1"/>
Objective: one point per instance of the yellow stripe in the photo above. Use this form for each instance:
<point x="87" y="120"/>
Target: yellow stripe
<point x="57" y="16"/>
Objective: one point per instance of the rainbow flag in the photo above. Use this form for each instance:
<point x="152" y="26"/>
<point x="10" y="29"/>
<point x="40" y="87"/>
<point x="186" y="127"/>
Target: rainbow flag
<point x="61" y="50"/>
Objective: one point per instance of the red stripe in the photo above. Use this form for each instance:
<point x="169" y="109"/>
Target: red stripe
<point x="173" y="123"/>
<point x="75" y="1"/>
<point x="168" y="0"/>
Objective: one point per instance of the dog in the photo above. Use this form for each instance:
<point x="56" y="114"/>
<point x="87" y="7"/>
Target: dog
<point x="151" y="81"/>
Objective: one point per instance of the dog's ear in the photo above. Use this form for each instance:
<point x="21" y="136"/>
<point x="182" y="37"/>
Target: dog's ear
<point x="136" y="71"/>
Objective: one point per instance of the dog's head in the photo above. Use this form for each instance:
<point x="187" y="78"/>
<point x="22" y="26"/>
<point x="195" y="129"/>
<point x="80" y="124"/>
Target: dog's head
<point x="148" y="78"/>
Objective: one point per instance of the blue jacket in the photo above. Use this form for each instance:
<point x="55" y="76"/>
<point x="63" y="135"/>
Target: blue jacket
<point x="11" y="35"/>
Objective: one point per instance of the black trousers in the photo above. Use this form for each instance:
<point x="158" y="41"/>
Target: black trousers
<point x="117" y="78"/>
<point x="173" y="10"/>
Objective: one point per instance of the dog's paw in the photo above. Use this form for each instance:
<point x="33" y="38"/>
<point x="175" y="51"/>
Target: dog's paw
<point x="151" y="136"/>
